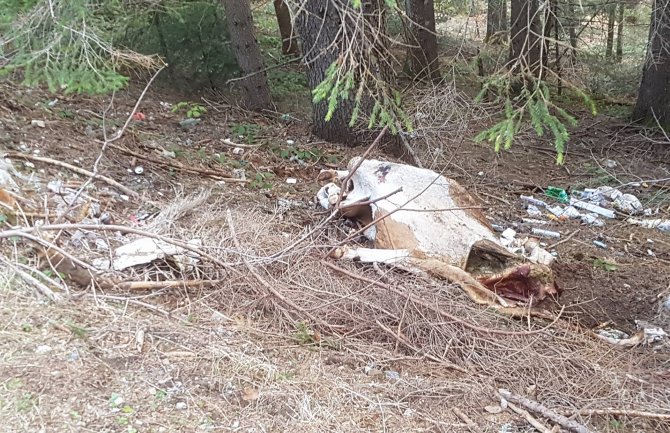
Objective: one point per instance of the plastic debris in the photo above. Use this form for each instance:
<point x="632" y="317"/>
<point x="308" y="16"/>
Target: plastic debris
<point x="146" y="250"/>
<point x="600" y="244"/>
<point x="530" y="199"/>
<point x="533" y="211"/>
<point x="593" y="208"/>
<point x="392" y="375"/>
<point x="592" y="219"/>
<point x="662" y="225"/>
<point x="238" y="151"/>
<point x="508" y="234"/>
<point x="558" y="193"/>
<point x="139" y="169"/>
<point x="534" y="221"/>
<point x="290" y="142"/>
<point x="545" y="233"/>
<point x="139" y="116"/>
<point x="38" y="123"/>
<point x="628" y="203"/>
<point x="610" y="163"/>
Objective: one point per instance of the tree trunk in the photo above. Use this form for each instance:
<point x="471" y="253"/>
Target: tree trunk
<point x="248" y="54"/>
<point x="653" y="99"/>
<point x="619" y="34"/>
<point x="496" y="21"/>
<point x="524" y="53"/>
<point x="572" y="30"/>
<point x="423" y="51"/>
<point x="289" y="41"/>
<point x="611" y="16"/>
<point x="549" y="22"/>
<point x="318" y="23"/>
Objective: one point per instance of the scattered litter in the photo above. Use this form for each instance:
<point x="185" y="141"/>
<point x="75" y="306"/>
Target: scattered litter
<point x="239" y="173"/>
<point x="628" y="203"/>
<point x="139" y="169"/>
<point x="650" y="253"/>
<point x="53" y="103"/>
<point x="662" y="225"/>
<point x="614" y="334"/>
<point x="558" y="194"/>
<point x="38" y="123"/>
<point x="610" y="163"/>
<point x="481" y="173"/>
<point x="533" y="211"/>
<point x="238" y="151"/>
<point x="392" y="375"/>
<point x="592" y="219"/>
<point x="292" y="180"/>
<point x="168" y="153"/>
<point x="600" y="244"/>
<point x="533" y="201"/>
<point x="146" y="250"/>
<point x="534" y="221"/>
<point x="43" y="348"/>
<point x="546" y="233"/>
<point x="180" y="405"/>
<point x="139" y="116"/>
<point x="290" y="142"/>
<point x="593" y="208"/>
<point x="509" y="234"/>
<point x="654" y="335"/>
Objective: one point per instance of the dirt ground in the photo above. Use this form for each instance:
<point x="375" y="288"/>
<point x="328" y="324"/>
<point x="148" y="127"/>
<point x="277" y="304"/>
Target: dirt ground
<point x="192" y="359"/>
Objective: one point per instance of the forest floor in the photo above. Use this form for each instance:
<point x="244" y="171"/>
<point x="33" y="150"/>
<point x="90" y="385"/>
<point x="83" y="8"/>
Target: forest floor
<point x="228" y="356"/>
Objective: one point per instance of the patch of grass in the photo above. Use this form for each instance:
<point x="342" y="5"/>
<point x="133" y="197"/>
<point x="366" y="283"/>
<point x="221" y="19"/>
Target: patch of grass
<point x="605" y="265"/>
<point x="262" y="180"/>
<point x="245" y="131"/>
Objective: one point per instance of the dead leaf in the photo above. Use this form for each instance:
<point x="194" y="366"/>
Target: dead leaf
<point x="249" y="394"/>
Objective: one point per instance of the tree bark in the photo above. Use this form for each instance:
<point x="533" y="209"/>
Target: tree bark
<point x="572" y="30"/>
<point x="496" y="21"/>
<point x="611" y="16"/>
<point x="423" y="51"/>
<point x="524" y="54"/>
<point x="318" y="23"/>
<point x="289" y="41"/>
<point x="653" y="99"/>
<point x="619" y="35"/>
<point x="248" y="54"/>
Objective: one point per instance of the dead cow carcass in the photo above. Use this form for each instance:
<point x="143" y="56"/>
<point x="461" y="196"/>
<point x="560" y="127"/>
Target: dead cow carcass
<point x="423" y="221"/>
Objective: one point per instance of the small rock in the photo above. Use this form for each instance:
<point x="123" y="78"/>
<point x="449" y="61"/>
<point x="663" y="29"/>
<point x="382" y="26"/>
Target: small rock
<point x="38" y="123"/>
<point x="493" y="409"/>
<point x="43" y="348"/>
<point x="188" y="124"/>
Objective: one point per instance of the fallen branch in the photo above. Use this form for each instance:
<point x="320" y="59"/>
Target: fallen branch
<point x="75" y="169"/>
<point x="622" y="412"/>
<point x="528" y="417"/>
<point x="562" y="241"/>
<point x="434" y="309"/>
<point x="168" y="284"/>
<point x="260" y="279"/>
<point x="544" y="411"/>
<point x="466" y="419"/>
<point x="409" y="345"/>
<point x="40" y="286"/>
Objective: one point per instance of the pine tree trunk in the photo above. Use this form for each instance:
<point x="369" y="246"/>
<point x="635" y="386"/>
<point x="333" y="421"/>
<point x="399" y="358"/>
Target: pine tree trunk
<point x="572" y="30"/>
<point x="653" y="99"/>
<point x="289" y="41"/>
<point x="611" y="15"/>
<point x="524" y="53"/>
<point x="318" y="23"/>
<point x="423" y="51"/>
<point x="619" y="35"/>
<point x="496" y="21"/>
<point x="248" y="54"/>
